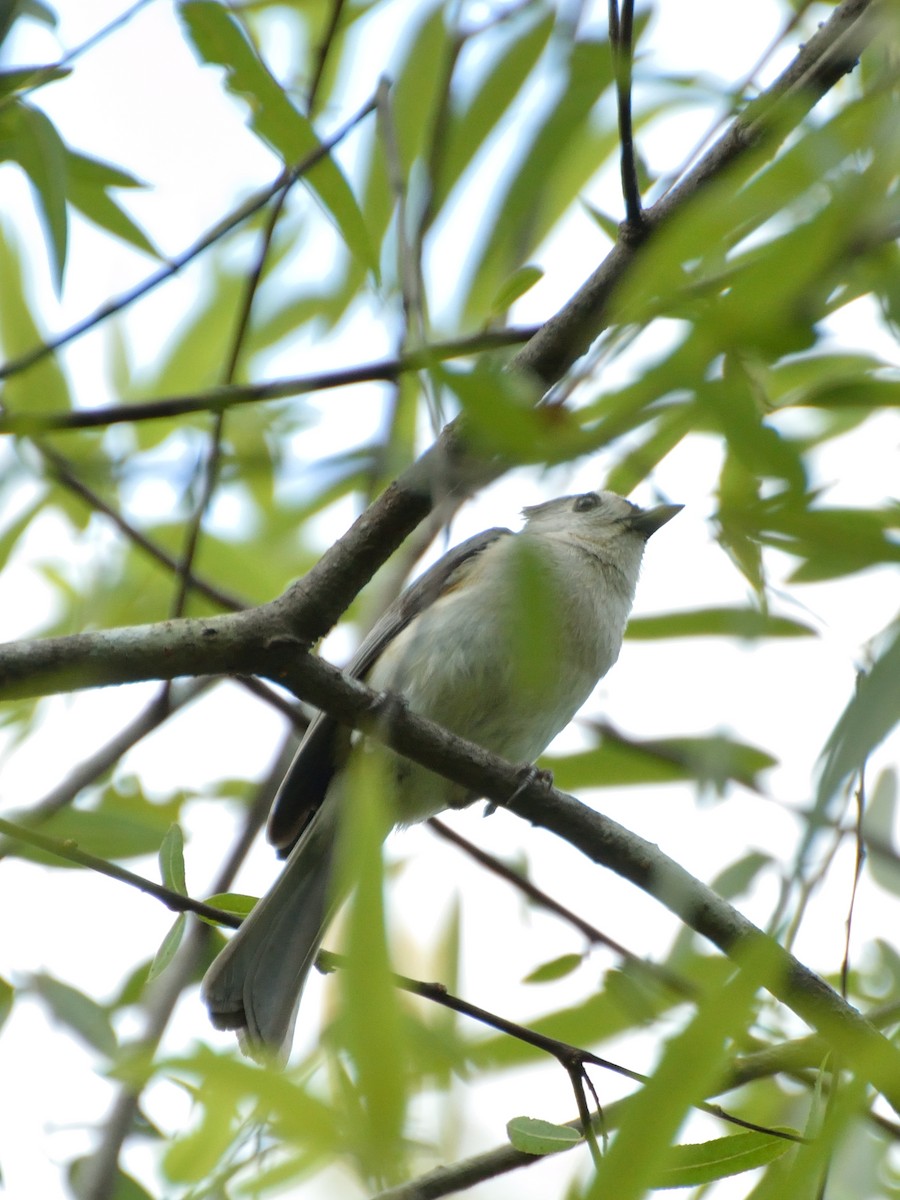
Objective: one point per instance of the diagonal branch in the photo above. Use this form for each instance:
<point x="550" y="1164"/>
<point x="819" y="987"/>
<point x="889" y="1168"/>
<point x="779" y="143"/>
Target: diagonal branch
<point x="597" y="837"/>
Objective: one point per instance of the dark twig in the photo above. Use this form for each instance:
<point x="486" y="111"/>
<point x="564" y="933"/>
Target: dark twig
<point x="212" y="235"/>
<point x="621" y="38"/>
<point x="71" y="853"/>
<point x="323" y="50"/>
<point x="595" y="936"/>
<point x="64" y="473"/>
<point x="219" y="399"/>
<point x="571" y="1058"/>
<point x="160" y="708"/>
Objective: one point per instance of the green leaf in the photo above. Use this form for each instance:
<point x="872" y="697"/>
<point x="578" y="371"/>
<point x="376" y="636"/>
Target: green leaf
<point x="883" y="860"/>
<point x="503" y="76"/>
<point x="28" y="136"/>
<point x="231" y="902"/>
<point x="89" y="182"/>
<point x="621" y="762"/>
<point x="123" y="825"/>
<point x="369" y="997"/>
<point x="533" y="1136"/>
<point x="7" y="996"/>
<point x="220" y="40"/>
<point x="418" y="84"/>
<point x="705" y="1162"/>
<point x="77" y="1011"/>
<point x="745" y="623"/>
<point x="557" y="968"/>
<point x="562" y="153"/>
<point x="44" y="388"/>
<point x="517" y="285"/>
<point x="168" y="947"/>
<point x="689" y="1065"/>
<point x="171" y="860"/>
<point x="19" y="79"/>
<point x="869" y="717"/>
<point x="123" y="1186"/>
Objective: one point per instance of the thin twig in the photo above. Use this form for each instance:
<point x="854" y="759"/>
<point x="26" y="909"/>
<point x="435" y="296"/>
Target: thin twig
<point x="69" y="852"/>
<point x="219" y="399"/>
<point x="595" y="936"/>
<point x="621" y="37"/>
<point x="212" y="235"/>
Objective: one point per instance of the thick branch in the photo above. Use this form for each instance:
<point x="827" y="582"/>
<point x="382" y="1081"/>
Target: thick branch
<point x="596" y="836"/>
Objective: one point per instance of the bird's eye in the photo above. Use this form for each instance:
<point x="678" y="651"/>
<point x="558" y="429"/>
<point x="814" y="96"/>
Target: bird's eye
<point x="586" y="502"/>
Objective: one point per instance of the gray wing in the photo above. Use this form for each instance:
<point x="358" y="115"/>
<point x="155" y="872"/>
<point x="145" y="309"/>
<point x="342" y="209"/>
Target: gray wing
<point x="326" y="742"/>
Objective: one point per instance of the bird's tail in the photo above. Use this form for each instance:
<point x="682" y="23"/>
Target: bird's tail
<point x="254" y="985"/>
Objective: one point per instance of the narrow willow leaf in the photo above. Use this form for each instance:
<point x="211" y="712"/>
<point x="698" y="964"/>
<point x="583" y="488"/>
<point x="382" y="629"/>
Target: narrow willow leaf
<point x="745" y="623"/>
<point x="168" y="947"/>
<point x="705" y="1162"/>
<point x="171" y="860"/>
<point x="871" y="714"/>
<point x="76" y="1011"/>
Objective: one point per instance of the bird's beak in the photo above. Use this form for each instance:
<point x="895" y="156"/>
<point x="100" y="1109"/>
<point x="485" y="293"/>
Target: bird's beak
<point x="648" y="520"/>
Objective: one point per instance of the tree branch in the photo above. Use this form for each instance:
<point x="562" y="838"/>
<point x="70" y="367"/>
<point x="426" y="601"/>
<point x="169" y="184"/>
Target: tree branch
<point x="596" y="836"/>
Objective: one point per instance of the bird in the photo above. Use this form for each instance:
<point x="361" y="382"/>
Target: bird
<point x="501" y="642"/>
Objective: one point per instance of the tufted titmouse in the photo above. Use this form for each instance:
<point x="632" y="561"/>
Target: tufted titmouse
<point x="501" y="642"/>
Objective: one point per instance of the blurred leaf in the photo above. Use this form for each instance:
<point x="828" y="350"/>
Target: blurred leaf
<point x="76" y="1011"/>
<point x="688" y="1068"/>
<point x="478" y="111"/>
<point x="531" y="1136"/>
<point x="417" y="91"/>
<point x="739" y="536"/>
<point x="620" y="762"/>
<point x="171" y="860"/>
<point x="705" y="1162"/>
<point x="29" y="137"/>
<point x="517" y="285"/>
<point x="735" y="880"/>
<point x="501" y="417"/>
<point x="45" y="388"/>
<point x="883" y="860"/>
<point x="122" y="825"/>
<point x="122" y="1186"/>
<point x="735" y="406"/>
<point x="561" y="153"/>
<point x="871" y="714"/>
<point x="557" y="968"/>
<point x="168" y="947"/>
<point x="369" y="997"/>
<point x="7" y="996"/>
<point x="16" y="79"/>
<point x="830" y="541"/>
<point x="717" y="622"/>
<point x="88" y="185"/>
<point x="220" y="40"/>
